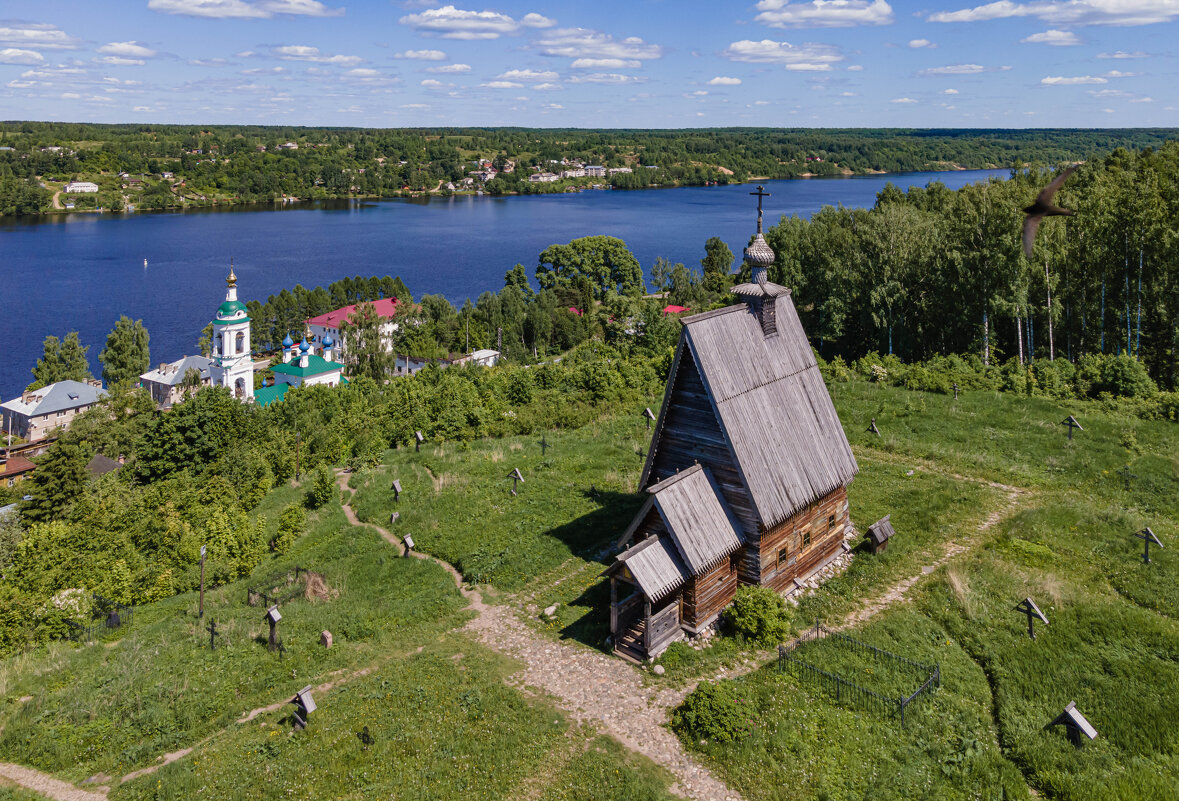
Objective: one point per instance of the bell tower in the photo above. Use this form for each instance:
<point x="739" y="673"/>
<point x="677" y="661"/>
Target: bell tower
<point x="232" y="365"/>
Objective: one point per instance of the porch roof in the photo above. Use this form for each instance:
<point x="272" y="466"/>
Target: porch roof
<point x="655" y="565"/>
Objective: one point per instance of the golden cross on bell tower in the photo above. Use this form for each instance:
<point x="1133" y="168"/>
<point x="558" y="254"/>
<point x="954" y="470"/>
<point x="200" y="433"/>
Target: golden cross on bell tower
<point x="231" y="279"/>
<point x="760" y="194"/>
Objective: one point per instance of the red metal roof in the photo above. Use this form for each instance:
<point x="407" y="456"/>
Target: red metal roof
<point x="673" y="309"/>
<point x="385" y="308"/>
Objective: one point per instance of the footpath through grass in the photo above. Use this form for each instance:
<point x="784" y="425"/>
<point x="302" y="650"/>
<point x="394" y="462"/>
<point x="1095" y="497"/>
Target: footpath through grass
<point x="1112" y="644"/>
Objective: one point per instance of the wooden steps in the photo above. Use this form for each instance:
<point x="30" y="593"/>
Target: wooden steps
<point x="629" y="643"/>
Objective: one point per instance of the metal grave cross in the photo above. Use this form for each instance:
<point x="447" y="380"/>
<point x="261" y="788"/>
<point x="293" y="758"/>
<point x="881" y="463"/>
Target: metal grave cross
<point x="1072" y="423"/>
<point x="420" y="439"/>
<point x="304" y="706"/>
<point x="760" y="193"/>
<point x="1028" y="607"/>
<point x="1148" y="536"/>
<point x="516" y="477"/>
<point x="872" y="429"/>
<point x="213" y="633"/>
<point x="396" y="489"/>
<point x="272" y="617"/>
<point x="1126" y="476"/>
<point x="650" y="417"/>
<point x="544" y="445"/>
<point x="365" y="738"/>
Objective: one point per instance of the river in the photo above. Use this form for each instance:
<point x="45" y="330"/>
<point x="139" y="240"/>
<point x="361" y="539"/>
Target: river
<point x="80" y="272"/>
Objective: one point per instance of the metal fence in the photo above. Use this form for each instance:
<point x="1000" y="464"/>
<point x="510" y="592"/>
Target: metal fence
<point x="108" y="614"/>
<point x="276" y="589"/>
<point x="790" y="658"/>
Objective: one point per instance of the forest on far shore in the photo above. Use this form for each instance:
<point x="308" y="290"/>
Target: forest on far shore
<point x="180" y="166"/>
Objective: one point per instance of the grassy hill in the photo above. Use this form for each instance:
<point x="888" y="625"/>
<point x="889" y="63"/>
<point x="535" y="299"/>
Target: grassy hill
<point x="986" y="490"/>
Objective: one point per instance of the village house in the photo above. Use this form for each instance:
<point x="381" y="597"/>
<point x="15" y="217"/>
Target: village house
<point x="595" y="171"/>
<point x="543" y="178"/>
<point x="38" y="412"/>
<point x="746" y="474"/>
<point x="576" y="173"/>
<point x="81" y="187"/>
<point x="485" y="357"/>
<point x="619" y="170"/>
<point x="166" y="383"/>
<point x="331" y="325"/>
<point x="13" y="469"/>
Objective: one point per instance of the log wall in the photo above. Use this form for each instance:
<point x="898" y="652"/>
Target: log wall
<point x="783" y="552"/>
<point x="707" y="594"/>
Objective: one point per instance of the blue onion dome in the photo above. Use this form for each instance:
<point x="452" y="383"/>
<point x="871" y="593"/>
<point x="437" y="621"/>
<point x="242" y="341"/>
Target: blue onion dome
<point x="287" y="341"/>
<point x="304" y="346"/>
<point x="328" y="341"/>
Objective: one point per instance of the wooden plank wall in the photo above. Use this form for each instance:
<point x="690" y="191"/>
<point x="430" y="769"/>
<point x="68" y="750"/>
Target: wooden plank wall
<point x="692" y="434"/>
<point x="707" y="594"/>
<point x="802" y="559"/>
<point x="662" y="627"/>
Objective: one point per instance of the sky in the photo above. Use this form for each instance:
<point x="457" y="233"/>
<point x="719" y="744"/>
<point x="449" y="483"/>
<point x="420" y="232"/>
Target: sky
<point x="602" y="64"/>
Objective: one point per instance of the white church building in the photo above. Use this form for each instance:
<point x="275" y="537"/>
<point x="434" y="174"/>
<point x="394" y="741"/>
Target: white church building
<point x="232" y="365"/>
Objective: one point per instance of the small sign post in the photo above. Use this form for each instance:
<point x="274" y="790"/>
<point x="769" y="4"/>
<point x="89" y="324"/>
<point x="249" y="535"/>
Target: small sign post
<point x="516" y="477"/>
<point x="1028" y="607"/>
<point x="396" y="489"/>
<point x="1072" y="423"/>
<point x="201" y="607"/>
<point x="298" y="439"/>
<point x="272" y="617"/>
<point x="872" y="429"/>
<point x="1148" y="537"/>
<point x="304" y="706"/>
<point x="419" y="440"/>
<point x="1075" y="724"/>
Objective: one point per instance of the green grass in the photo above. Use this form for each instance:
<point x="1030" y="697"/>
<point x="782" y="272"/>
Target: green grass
<point x="444" y="726"/>
<point x="1112" y="644"/>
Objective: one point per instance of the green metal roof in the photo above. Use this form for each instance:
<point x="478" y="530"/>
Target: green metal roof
<point x="229" y="308"/>
<point x="264" y="396"/>
<point x="315" y="366"/>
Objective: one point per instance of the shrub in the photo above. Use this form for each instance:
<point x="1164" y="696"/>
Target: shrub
<point x="322" y="488"/>
<point x="1121" y="376"/>
<point x="759" y="615"/>
<point x="713" y="712"/>
<point x="291" y="524"/>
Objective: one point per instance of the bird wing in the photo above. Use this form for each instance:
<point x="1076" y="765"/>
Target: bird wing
<point x="1047" y="192"/>
<point x="1029" y="233"/>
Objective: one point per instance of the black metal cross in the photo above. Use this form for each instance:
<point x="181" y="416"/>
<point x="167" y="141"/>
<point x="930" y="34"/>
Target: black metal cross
<point x="1126" y="476"/>
<point x="1148" y="536"/>
<point x="872" y="429"/>
<point x="760" y="194"/>
<point x="1029" y="608"/>
<point x="544" y="445"/>
<point x="1072" y="423"/>
<point x="212" y="634"/>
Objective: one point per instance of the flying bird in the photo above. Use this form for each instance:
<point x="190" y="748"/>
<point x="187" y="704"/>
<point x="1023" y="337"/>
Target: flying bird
<point x="1042" y="208"/>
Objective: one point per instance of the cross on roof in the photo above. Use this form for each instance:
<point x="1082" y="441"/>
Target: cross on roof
<point x="760" y="194"/>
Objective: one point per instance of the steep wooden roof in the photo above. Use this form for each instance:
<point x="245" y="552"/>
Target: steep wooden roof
<point x="700" y="523"/>
<point x="655" y="565"/>
<point x="772" y="405"/>
<point x="697" y="532"/>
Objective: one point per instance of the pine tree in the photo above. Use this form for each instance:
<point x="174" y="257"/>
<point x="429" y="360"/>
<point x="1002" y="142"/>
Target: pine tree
<point x="61" y="360"/>
<point x="57" y="482"/>
<point x="126" y="354"/>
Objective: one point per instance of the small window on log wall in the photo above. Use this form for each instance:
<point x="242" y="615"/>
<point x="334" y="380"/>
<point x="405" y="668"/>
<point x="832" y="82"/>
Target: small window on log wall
<point x="806" y="538"/>
<point x="781" y="557"/>
<point x="831" y="522"/>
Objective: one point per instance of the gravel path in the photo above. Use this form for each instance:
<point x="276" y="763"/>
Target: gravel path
<point x="47" y="785"/>
<point x="591" y="686"/>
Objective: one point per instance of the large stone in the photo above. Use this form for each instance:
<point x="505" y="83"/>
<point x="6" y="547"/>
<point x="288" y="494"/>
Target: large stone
<point x="550" y="611"/>
<point x="325" y="639"/>
<point x="657" y="670"/>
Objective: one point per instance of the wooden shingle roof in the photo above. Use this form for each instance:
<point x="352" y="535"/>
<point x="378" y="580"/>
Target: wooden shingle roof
<point x="699" y="521"/>
<point x="772" y="405"/>
<point x="655" y="565"/>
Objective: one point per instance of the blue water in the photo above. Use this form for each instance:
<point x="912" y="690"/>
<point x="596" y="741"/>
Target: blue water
<point x="82" y="271"/>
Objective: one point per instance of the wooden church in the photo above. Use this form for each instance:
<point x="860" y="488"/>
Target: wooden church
<point x="747" y="472"/>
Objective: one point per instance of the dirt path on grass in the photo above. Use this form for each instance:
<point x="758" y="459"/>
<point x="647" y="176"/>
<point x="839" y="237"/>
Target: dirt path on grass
<point x="590" y="686"/>
<point x="47" y="785"/>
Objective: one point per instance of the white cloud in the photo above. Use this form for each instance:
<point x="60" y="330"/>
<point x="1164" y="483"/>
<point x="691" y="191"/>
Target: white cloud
<point x="1120" y="74"/>
<point x="1108" y="110"/>
<point x="856" y="68"/>
<point x="120" y="61"/>
<point x="502" y="85"/>
<point x="761" y="102"/>
<point x="847" y="94"/>
<point x="529" y="75"/>
<point x="767" y="51"/>
<point x="41" y="36"/>
<point x="606" y="64"/>
<point x="422" y="55"/>
<point x="415" y="105"/>
<point x="14" y="55"/>
<point x="1054" y="37"/>
<point x="918" y="43"/>
<point x="955" y="69"/>
<point x="1109" y="93"/>
<point x="604" y="77"/>
<point x="1124" y="54"/>
<point x="243" y="9"/>
<point x="902" y="100"/>
<point x="721" y="80"/>
<point x="1077" y="81"/>
<point x="433" y="83"/>
<point x="584" y="43"/>
<point x="1142" y="100"/>
<point x="456" y="23"/>
<point x="264" y="71"/>
<point x="308" y="53"/>
<point x="208" y="62"/>
<point x="824" y="13"/>
<point x="1070" y="12"/>
<point x="949" y="91"/>
<point x="554" y="106"/>
<point x="537" y="21"/>
<point x="127" y="49"/>
<point x="548" y="87"/>
<point x="450" y="68"/>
